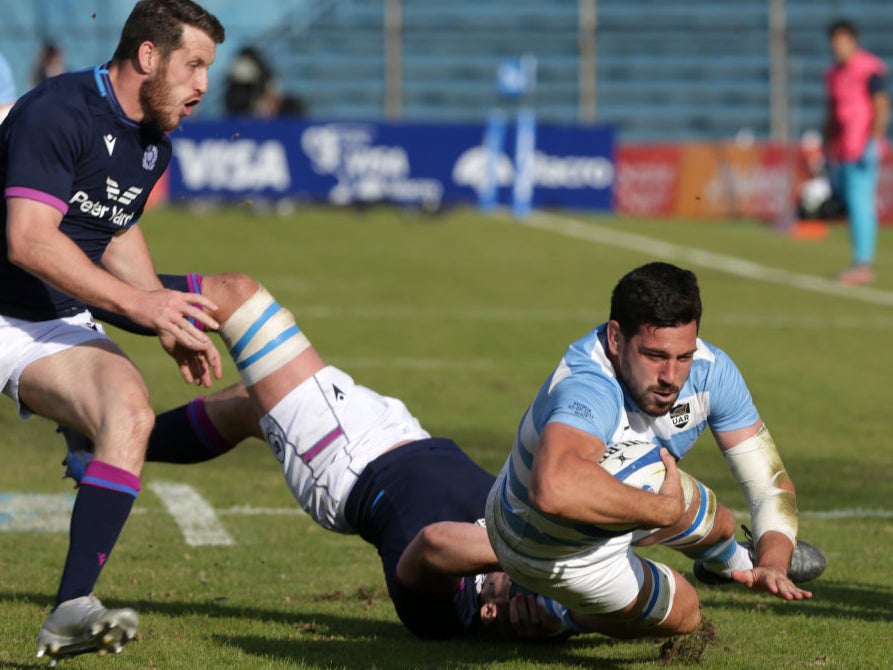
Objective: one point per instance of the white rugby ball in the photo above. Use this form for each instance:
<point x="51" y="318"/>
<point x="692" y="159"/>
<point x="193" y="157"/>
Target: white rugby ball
<point x="635" y="463"/>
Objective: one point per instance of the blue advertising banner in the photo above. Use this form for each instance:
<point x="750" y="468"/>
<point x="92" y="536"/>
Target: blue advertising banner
<point x="407" y="163"/>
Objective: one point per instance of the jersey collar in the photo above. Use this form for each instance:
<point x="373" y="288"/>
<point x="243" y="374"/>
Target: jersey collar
<point x="104" y="87"/>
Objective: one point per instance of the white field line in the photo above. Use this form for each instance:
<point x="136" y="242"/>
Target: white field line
<point x="37" y="512"/>
<point x="831" y="514"/>
<point x="194" y="515"/>
<point x="732" y="265"/>
<point x="834" y="514"/>
<point x="855" y="513"/>
<point x="250" y="510"/>
<point x="51" y="513"/>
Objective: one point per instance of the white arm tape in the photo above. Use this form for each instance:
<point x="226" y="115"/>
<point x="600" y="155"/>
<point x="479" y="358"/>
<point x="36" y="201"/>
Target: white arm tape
<point x="759" y="472"/>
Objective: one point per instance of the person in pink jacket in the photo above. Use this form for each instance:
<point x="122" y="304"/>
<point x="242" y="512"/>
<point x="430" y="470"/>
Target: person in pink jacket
<point x="855" y="137"/>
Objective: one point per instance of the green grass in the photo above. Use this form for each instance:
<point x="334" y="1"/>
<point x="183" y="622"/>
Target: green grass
<point x="462" y="317"/>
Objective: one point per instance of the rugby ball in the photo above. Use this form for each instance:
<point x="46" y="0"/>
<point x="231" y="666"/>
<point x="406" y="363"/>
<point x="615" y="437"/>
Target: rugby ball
<point x="635" y="463"/>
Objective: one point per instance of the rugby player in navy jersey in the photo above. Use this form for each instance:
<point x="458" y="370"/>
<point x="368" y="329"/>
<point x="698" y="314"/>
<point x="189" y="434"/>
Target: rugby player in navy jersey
<point x="79" y="156"/>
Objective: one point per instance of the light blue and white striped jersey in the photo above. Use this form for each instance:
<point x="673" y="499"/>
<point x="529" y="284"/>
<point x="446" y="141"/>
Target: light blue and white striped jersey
<point x="584" y="392"/>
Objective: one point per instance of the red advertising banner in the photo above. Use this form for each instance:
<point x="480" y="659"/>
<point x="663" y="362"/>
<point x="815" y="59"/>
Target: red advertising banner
<point x="759" y="180"/>
<point x="647" y="179"/>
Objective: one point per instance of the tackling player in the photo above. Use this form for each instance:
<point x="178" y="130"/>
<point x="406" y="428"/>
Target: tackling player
<point x="643" y="375"/>
<point x="357" y="462"/>
<point x="79" y="156"/>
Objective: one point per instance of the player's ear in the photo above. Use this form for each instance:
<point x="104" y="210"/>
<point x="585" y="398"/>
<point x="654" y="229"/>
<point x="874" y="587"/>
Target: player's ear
<point x="615" y="338"/>
<point x="147" y="57"/>
<point x="489" y="613"/>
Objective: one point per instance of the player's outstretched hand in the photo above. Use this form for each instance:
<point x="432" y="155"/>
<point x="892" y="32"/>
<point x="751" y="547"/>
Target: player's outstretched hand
<point x="530" y="620"/>
<point x="771" y="580"/>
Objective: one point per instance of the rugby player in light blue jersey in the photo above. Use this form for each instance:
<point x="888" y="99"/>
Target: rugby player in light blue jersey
<point x="79" y="155"/>
<point x="553" y="512"/>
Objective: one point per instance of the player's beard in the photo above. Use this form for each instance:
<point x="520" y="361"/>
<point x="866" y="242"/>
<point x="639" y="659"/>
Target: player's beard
<point x="157" y="101"/>
<point x="650" y="406"/>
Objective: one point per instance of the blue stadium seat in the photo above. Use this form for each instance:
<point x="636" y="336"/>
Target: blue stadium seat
<point x="687" y="69"/>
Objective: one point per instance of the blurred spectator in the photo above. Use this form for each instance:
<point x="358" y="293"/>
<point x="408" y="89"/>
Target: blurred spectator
<point x="251" y="89"/>
<point x="249" y="85"/>
<point x="50" y="62"/>
<point x="855" y="137"/>
<point x="7" y="88"/>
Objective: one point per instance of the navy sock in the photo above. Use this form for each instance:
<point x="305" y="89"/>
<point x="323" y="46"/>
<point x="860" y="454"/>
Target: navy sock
<point x="101" y="508"/>
<point x="186" y="434"/>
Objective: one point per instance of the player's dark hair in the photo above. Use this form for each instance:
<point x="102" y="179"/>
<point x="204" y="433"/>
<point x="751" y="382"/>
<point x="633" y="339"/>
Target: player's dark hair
<point x="161" y="22"/>
<point x="656" y="294"/>
<point x="842" y="26"/>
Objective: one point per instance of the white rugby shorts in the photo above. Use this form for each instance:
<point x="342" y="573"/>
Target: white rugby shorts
<point x="23" y="342"/>
<point x="601" y="579"/>
<point x="325" y="432"/>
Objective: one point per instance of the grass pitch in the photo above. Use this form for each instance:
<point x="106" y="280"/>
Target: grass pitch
<point x="462" y="317"/>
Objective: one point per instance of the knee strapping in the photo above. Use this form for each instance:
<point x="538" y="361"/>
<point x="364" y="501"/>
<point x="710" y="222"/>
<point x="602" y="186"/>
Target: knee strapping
<point x="663" y="591"/>
<point x="261" y="337"/>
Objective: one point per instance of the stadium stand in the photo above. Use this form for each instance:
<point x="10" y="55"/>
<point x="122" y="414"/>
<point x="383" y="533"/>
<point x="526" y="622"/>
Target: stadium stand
<point x="686" y="70"/>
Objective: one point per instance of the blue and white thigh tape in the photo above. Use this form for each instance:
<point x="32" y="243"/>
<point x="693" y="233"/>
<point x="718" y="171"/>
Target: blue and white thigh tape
<point x="261" y="337"/>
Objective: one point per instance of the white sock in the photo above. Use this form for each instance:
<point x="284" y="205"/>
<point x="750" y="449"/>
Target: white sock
<point x="740" y="560"/>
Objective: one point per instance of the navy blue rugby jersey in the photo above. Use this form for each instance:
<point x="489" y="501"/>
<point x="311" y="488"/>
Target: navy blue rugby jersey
<point x="68" y="143"/>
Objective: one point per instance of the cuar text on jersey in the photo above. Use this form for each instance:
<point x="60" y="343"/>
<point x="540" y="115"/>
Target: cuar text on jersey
<point x="117" y="215"/>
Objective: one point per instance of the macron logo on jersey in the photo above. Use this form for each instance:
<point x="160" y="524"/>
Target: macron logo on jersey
<point x="110" y="142"/>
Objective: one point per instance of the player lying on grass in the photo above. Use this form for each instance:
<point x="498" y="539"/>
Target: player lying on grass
<point x="644" y="375"/>
<point x="357" y="462"/>
<point x="394" y="497"/>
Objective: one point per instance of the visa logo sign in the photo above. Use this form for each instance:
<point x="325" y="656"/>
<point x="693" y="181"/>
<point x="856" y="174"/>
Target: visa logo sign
<point x="233" y="165"/>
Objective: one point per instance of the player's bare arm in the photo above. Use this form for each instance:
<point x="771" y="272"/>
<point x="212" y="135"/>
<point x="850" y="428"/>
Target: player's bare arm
<point x="567" y="481"/>
<point x="770" y="494"/>
<point x="38" y="246"/>
<point x="443" y="552"/>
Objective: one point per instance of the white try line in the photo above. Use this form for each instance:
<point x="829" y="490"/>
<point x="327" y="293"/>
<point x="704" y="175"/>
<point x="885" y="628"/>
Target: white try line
<point x="732" y="265"/>
<point x="199" y="523"/>
<point x="844" y="513"/>
<point x="194" y="515"/>
<point x="854" y="513"/>
<point x="250" y="510"/>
